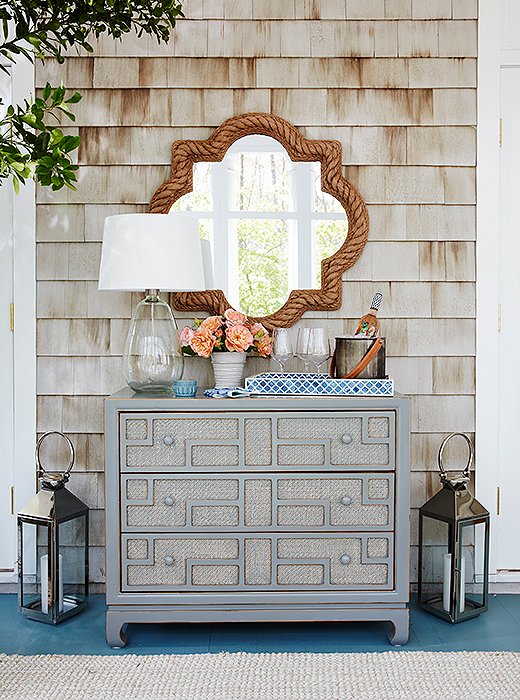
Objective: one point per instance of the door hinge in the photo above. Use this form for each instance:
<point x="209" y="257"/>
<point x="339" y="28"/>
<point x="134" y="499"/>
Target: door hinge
<point x="11" y="317"/>
<point x="498" y="500"/>
<point x="500" y="132"/>
<point x="499" y="317"/>
<point x="12" y="500"/>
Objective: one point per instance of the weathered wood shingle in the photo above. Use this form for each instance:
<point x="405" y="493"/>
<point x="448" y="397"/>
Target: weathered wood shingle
<point x="393" y="80"/>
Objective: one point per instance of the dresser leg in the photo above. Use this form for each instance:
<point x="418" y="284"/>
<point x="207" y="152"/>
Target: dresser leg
<point x="400" y="630"/>
<point x="116" y="638"/>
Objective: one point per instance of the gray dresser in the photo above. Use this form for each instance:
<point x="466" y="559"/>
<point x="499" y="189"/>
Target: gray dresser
<point x="256" y="509"/>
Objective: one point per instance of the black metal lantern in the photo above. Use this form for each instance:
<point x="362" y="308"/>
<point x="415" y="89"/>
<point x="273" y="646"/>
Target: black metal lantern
<point x="53" y="548"/>
<point x="453" y="547"/>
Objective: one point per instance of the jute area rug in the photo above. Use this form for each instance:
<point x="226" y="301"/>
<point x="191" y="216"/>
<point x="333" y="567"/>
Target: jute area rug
<point x="227" y="676"/>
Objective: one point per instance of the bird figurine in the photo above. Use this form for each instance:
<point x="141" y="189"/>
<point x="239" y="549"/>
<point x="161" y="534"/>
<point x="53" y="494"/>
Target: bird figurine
<point x="368" y="326"/>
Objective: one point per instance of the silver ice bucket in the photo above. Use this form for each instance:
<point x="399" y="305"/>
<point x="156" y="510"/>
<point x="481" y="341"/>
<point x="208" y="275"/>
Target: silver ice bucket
<point x="364" y="358"/>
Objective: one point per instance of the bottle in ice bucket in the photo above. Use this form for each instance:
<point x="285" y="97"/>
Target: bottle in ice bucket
<point x="369" y="324"/>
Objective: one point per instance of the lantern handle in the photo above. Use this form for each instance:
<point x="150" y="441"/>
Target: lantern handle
<point x="55" y="476"/>
<point x="465" y="472"/>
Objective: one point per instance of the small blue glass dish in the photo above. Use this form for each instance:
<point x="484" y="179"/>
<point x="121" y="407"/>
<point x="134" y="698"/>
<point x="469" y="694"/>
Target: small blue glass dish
<point x="185" y="388"/>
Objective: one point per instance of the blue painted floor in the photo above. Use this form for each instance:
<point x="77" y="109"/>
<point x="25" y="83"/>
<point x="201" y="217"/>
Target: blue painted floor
<point x="496" y="630"/>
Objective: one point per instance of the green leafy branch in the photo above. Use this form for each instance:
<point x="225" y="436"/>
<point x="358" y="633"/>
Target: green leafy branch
<point x="30" y="148"/>
<point x="47" y="27"/>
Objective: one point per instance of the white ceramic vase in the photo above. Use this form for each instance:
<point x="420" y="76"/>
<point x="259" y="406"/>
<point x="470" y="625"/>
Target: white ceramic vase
<point x="228" y="368"/>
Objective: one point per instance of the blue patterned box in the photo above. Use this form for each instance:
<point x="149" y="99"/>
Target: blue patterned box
<point x="317" y="385"/>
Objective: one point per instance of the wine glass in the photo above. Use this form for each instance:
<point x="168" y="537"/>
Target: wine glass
<point x="302" y="346"/>
<point x="318" y="347"/>
<point x="282" y="346"/>
<point x="332" y="350"/>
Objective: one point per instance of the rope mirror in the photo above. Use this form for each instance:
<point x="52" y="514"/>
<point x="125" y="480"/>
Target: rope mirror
<point x="299" y="149"/>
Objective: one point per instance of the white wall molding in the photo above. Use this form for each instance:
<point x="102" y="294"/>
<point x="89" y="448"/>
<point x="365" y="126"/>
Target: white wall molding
<point x="24" y="337"/>
<point x="488" y="221"/>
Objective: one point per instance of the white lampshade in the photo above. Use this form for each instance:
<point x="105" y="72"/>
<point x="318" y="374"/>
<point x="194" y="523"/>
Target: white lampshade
<point x="151" y="251"/>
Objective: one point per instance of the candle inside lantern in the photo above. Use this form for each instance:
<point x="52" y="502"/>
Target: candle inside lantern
<point x="44" y="568"/>
<point x="446" y="584"/>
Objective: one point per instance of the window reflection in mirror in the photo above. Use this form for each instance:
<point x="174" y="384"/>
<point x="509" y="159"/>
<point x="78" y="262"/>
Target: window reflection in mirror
<point x="268" y="223"/>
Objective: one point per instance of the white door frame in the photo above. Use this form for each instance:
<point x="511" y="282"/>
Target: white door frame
<point x="490" y="60"/>
<point x="24" y="338"/>
<point x="7" y="546"/>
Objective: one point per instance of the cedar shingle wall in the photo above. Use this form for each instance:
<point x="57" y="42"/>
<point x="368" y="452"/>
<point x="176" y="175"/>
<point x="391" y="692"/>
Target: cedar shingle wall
<point x="393" y="80"/>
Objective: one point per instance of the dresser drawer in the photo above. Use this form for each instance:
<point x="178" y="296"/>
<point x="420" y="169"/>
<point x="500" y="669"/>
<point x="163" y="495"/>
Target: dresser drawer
<point x="165" y="563"/>
<point x="344" y="440"/>
<point x="294" y="441"/>
<point x="156" y="502"/>
<point x="179" y="440"/>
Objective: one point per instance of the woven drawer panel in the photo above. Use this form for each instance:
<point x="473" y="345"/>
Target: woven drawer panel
<point x="378" y="488"/>
<point x="301" y="455"/>
<point x="137" y="549"/>
<point x="137" y="490"/>
<point x="182" y="491"/>
<point x="215" y="516"/>
<point x="158" y="573"/>
<point x="180" y="430"/>
<point x="332" y="430"/>
<point x="356" y="572"/>
<point x="301" y="516"/>
<point x="378" y="427"/>
<point x="257" y="561"/>
<point x="213" y="455"/>
<point x="136" y="429"/>
<point x="258" y="502"/>
<point x="258" y="442"/>
<point x="377" y="547"/>
<point x="222" y="575"/>
<point x="300" y="574"/>
<point x="331" y="491"/>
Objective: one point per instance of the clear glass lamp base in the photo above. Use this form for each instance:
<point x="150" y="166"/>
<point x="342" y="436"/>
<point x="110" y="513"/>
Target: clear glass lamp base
<point x="152" y="359"/>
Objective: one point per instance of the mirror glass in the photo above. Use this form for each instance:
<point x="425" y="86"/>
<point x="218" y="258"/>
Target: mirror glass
<point x="268" y="223"/>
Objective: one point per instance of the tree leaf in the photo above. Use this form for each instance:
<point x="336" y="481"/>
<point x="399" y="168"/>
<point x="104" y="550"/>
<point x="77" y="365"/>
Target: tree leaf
<point x="76" y="97"/>
<point x="56" y="136"/>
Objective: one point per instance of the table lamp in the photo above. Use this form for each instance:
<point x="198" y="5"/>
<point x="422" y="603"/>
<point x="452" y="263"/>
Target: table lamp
<point x="152" y="252"/>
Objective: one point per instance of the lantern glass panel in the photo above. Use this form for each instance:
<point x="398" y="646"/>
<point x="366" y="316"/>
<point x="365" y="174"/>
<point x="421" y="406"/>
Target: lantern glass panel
<point x="72" y="536"/>
<point x="435" y="550"/>
<point x="472" y="549"/>
<point x="35" y="539"/>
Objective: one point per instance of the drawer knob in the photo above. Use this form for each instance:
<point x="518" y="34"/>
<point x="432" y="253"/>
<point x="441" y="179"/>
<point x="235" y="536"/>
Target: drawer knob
<point x="345" y="559"/>
<point x="168" y="440"/>
<point x="168" y="561"/>
<point x="346" y="500"/>
<point x="168" y="501"/>
<point x="346" y="439"/>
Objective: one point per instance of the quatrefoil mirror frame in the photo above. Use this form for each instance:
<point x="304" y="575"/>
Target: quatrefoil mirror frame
<point x="299" y="149"/>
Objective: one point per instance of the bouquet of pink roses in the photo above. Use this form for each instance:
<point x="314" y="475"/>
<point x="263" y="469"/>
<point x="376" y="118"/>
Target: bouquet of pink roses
<point x="232" y="332"/>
